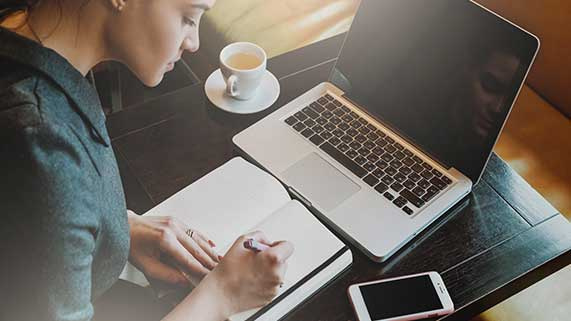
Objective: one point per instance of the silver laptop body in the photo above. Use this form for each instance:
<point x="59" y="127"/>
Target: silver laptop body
<point x="364" y="205"/>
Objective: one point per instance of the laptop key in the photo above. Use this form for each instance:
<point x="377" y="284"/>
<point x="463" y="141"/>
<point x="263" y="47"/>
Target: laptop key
<point x="400" y="177"/>
<point x="380" y="133"/>
<point x="407" y="210"/>
<point x="446" y="180"/>
<point x="356" y="124"/>
<point x="413" y="199"/>
<point x="419" y="191"/>
<point x="417" y="159"/>
<point x="369" y="167"/>
<point x="343" y="126"/>
<point x="378" y="151"/>
<point x="399" y="155"/>
<point x="346" y="139"/>
<point x="354" y="115"/>
<point x="329" y="97"/>
<point x="378" y="173"/>
<point x="398" y="146"/>
<point x="301" y="116"/>
<point x="381" y="142"/>
<point x="307" y="133"/>
<point x="417" y="168"/>
<point x="347" y="118"/>
<point x="371" y="127"/>
<point x="309" y="123"/>
<point x="396" y="164"/>
<point x="330" y="107"/>
<point x="388" y="196"/>
<point x="408" y="161"/>
<point x="334" y="140"/>
<point x="344" y="108"/>
<point x="414" y="177"/>
<point x="389" y="139"/>
<point x="427" y="174"/>
<point x="372" y="136"/>
<point x="387" y="157"/>
<point x="321" y="121"/>
<point x="361" y="139"/>
<point x="338" y="103"/>
<point x="330" y="127"/>
<point x="373" y="158"/>
<point x="405" y="170"/>
<point x="351" y="153"/>
<point x="291" y="120"/>
<point x="323" y="100"/>
<point x="363" y="121"/>
<point x="369" y="144"/>
<point x="433" y="190"/>
<point x="364" y="130"/>
<point x="360" y="160"/>
<point x="335" y="120"/>
<point x="428" y="196"/>
<point x="327" y="114"/>
<point x="299" y="127"/>
<point x="343" y="160"/>
<point x="309" y="112"/>
<point x="317" y="107"/>
<point x="316" y="139"/>
<point x="343" y="147"/>
<point x="381" y="188"/>
<point x="409" y="184"/>
<point x="397" y="187"/>
<point x="436" y="173"/>
<point x="382" y="164"/>
<point x="407" y="152"/>
<point x="339" y="112"/>
<point x="352" y="132"/>
<point x="390" y="170"/>
<point x="438" y="183"/>
<point x="427" y="166"/>
<point x="318" y="129"/>
<point x="355" y="145"/>
<point x="400" y="201"/>
<point x="363" y="151"/>
<point x="371" y="180"/>
<point x="326" y="135"/>
<point x="387" y="180"/>
<point x="423" y="183"/>
<point x="390" y="149"/>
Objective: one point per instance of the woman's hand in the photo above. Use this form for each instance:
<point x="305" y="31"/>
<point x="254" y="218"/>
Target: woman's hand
<point x="153" y="238"/>
<point x="249" y="279"/>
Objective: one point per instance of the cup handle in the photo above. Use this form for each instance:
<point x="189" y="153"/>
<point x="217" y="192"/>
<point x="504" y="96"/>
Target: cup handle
<point x="231" y="86"/>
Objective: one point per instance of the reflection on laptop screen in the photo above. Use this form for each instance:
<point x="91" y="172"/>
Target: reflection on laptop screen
<point x="442" y="73"/>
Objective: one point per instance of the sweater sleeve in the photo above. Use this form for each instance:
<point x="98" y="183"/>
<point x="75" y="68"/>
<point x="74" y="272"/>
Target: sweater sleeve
<point x="48" y="233"/>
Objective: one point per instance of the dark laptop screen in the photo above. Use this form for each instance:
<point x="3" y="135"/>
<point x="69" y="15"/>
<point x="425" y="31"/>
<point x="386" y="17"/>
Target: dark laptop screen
<point x="442" y="73"/>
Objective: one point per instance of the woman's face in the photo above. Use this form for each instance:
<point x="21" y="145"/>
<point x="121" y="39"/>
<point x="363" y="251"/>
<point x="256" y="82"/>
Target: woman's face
<point x="149" y="36"/>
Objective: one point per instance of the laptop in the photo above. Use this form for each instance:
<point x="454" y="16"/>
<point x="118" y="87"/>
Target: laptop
<point x="404" y="126"/>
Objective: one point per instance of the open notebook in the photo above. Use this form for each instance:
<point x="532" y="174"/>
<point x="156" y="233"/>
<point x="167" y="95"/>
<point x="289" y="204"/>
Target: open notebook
<point x="237" y="198"/>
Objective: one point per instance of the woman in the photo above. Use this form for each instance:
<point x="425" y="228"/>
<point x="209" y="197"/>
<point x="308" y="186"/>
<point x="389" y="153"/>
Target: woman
<point x="66" y="232"/>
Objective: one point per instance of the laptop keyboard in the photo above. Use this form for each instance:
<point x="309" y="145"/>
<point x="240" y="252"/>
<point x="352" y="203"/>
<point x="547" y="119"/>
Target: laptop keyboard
<point x="390" y="168"/>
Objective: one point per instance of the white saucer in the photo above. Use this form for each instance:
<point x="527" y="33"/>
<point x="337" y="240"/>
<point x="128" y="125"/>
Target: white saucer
<point x="267" y="94"/>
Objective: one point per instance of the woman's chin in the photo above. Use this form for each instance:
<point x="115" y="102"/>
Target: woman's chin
<point x="153" y="81"/>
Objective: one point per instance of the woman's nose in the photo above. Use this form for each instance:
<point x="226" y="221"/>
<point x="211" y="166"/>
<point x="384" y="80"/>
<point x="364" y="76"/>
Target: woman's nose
<point x="190" y="44"/>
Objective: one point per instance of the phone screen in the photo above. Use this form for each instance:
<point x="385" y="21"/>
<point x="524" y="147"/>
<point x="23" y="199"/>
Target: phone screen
<point x="400" y="297"/>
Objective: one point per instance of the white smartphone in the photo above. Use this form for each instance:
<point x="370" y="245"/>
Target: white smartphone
<point x="409" y="297"/>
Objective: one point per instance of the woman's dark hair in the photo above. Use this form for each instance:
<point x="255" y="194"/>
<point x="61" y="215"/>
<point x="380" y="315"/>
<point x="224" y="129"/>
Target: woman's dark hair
<point x="8" y="7"/>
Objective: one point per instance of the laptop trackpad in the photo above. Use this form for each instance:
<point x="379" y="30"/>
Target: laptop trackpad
<point x="320" y="182"/>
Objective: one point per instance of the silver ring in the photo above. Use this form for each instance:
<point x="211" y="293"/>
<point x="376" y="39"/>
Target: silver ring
<point x="189" y="232"/>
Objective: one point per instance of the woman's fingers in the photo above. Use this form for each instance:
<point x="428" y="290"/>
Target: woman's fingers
<point x="181" y="255"/>
<point x="196" y="250"/>
<point x="206" y="246"/>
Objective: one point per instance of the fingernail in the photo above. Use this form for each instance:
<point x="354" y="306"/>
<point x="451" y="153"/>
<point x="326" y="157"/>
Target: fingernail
<point x="211" y="243"/>
<point x="220" y="257"/>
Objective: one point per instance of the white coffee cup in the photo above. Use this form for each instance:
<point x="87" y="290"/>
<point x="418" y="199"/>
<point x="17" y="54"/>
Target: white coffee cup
<point x="243" y="65"/>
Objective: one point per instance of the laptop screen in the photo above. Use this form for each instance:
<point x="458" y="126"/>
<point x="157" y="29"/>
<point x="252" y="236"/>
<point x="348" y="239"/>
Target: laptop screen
<point x="441" y="73"/>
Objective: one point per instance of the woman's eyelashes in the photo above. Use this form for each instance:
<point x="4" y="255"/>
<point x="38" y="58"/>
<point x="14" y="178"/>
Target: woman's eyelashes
<point x="188" y="22"/>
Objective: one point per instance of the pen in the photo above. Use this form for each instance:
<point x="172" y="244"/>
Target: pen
<point x="255" y="246"/>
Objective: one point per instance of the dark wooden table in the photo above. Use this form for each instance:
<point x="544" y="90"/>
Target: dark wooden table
<point x="502" y="238"/>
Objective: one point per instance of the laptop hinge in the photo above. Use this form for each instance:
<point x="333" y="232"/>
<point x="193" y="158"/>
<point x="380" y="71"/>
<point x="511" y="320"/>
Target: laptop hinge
<point x="300" y="198"/>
